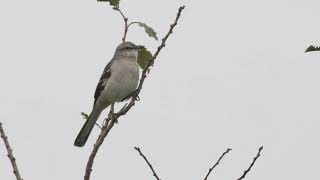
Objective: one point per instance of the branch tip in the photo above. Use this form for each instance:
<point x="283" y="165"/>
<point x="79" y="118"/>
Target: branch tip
<point x="251" y="165"/>
<point x="10" y="154"/>
<point x="217" y="163"/>
<point x="146" y="160"/>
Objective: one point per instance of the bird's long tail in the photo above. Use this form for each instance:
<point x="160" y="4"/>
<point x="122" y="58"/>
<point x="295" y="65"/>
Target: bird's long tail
<point x="87" y="128"/>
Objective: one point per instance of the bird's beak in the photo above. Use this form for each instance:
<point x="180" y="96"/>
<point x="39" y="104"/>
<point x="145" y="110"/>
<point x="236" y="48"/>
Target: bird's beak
<point x="140" y="47"/>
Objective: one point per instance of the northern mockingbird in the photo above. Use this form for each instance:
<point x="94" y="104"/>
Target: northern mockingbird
<point x="119" y="79"/>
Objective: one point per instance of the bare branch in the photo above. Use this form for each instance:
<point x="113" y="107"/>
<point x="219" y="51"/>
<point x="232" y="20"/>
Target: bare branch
<point x="217" y="163"/>
<point x="126" y="26"/>
<point x="251" y="165"/>
<point x="113" y="117"/>
<point x="149" y="164"/>
<point x="10" y="155"/>
<point x="105" y="131"/>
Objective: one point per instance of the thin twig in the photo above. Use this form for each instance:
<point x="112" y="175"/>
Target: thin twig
<point x="126" y="26"/>
<point x="217" y="163"/>
<point x="149" y="164"/>
<point x="10" y="155"/>
<point x="134" y="22"/>
<point x="251" y="165"/>
<point x="99" y="126"/>
<point x="113" y="117"/>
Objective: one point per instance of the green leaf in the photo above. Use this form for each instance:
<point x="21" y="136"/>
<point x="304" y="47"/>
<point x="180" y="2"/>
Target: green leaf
<point x="85" y="115"/>
<point x="114" y="3"/>
<point x="148" y="30"/>
<point x="312" y="48"/>
<point x="144" y="56"/>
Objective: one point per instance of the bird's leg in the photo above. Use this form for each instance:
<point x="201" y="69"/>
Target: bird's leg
<point x="134" y="94"/>
<point x="111" y="111"/>
<point x="112" y="108"/>
<point x="113" y="114"/>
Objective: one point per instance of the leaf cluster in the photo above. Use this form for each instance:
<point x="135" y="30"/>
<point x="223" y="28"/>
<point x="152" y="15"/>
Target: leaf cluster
<point x="312" y="48"/>
<point x="113" y="3"/>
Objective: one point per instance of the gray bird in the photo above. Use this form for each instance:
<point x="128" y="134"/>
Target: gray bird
<point x="119" y="79"/>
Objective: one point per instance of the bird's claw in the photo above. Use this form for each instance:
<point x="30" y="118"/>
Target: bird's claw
<point x="115" y="120"/>
<point x="134" y="94"/>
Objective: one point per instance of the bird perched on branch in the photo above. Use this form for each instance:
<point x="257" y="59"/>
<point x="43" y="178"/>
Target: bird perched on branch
<point x="119" y="79"/>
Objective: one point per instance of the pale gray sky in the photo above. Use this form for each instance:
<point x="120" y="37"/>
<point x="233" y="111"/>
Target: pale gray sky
<point x="234" y="74"/>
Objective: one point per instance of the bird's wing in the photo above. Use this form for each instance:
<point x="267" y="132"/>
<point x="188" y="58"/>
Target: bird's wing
<point x="103" y="81"/>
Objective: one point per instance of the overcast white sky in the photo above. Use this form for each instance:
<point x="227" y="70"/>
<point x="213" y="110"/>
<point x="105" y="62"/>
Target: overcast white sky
<point x="234" y="74"/>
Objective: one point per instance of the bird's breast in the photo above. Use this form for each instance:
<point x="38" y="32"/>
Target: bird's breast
<point x="123" y="80"/>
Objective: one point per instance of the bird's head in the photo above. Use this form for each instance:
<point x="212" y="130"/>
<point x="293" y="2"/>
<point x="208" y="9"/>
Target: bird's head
<point x="128" y="49"/>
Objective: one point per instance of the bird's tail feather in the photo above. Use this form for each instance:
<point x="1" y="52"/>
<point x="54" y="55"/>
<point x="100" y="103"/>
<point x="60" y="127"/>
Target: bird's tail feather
<point x="87" y="128"/>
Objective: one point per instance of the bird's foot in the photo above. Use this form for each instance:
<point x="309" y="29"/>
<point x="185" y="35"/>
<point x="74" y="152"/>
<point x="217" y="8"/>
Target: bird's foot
<point x="116" y="121"/>
<point x="134" y="94"/>
<point x="115" y="118"/>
